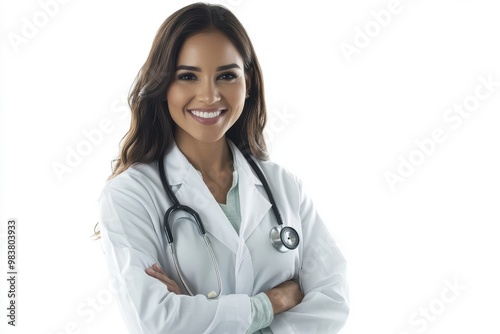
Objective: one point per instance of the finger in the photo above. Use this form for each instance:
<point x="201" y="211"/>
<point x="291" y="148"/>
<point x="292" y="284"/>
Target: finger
<point x="158" y="275"/>
<point x="151" y="272"/>
<point x="162" y="277"/>
<point x="157" y="270"/>
<point x="171" y="285"/>
<point x="175" y="289"/>
<point x="157" y="267"/>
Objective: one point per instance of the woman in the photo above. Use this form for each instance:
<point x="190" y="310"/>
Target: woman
<point x="198" y="111"/>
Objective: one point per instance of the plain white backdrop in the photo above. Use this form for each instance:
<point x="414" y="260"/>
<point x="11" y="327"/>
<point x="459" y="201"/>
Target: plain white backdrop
<point x="356" y="90"/>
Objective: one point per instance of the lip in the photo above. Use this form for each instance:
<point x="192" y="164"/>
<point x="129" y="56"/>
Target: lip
<point x="207" y="121"/>
<point x="208" y="109"/>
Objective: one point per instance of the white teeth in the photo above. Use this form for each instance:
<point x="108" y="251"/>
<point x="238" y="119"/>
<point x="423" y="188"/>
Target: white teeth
<point x="203" y="114"/>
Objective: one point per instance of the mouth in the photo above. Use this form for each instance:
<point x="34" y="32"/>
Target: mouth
<point x="207" y="116"/>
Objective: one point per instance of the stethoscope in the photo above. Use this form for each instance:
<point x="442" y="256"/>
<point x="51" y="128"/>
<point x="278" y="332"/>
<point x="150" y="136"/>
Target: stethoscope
<point x="283" y="238"/>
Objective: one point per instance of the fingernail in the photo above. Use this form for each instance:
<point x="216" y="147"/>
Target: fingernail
<point x="150" y="271"/>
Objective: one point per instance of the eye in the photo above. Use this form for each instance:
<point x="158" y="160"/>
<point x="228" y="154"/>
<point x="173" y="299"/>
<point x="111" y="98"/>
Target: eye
<point x="186" y="76"/>
<point x="228" y="76"/>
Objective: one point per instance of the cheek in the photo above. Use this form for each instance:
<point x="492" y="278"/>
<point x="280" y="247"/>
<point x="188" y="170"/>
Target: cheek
<point x="236" y="96"/>
<point x="177" y="97"/>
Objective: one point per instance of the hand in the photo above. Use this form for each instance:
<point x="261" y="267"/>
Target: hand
<point x="285" y="296"/>
<point x="158" y="273"/>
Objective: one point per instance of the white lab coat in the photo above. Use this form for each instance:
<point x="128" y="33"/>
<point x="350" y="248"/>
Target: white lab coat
<point x="132" y="208"/>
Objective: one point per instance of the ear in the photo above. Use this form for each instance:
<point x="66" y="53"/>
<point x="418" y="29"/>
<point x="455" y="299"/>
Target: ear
<point x="248" y="83"/>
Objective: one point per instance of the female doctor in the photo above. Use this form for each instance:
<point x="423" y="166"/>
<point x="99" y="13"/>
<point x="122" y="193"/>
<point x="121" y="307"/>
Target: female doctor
<point x="198" y="114"/>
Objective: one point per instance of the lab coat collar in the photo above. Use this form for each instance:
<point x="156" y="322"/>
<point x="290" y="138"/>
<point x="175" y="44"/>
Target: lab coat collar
<point x="179" y="167"/>
<point x="242" y="164"/>
<point x="254" y="205"/>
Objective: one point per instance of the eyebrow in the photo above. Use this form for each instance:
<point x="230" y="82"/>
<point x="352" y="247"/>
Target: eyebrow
<point x="197" y="69"/>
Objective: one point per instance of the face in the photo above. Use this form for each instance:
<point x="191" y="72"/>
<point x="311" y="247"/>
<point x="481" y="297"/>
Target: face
<point x="208" y="92"/>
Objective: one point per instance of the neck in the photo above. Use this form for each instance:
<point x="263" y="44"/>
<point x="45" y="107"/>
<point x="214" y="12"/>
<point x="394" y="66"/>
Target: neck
<point x="208" y="158"/>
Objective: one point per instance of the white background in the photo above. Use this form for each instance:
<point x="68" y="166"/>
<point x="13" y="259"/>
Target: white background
<point x="339" y="125"/>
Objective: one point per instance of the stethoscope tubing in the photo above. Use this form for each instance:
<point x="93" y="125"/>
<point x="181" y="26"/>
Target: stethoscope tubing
<point x="277" y="234"/>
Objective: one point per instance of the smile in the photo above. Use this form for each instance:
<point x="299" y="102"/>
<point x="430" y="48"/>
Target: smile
<point x="206" y="114"/>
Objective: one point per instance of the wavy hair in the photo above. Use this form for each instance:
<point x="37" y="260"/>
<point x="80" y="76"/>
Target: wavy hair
<point x="151" y="132"/>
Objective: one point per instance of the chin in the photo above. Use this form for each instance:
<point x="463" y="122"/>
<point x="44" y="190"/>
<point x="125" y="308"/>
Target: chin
<point x="209" y="138"/>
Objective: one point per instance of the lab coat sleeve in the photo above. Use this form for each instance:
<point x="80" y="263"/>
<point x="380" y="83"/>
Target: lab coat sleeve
<point x="131" y="244"/>
<point x="322" y="277"/>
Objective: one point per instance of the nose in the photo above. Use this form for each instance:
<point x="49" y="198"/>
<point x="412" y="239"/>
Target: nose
<point x="208" y="93"/>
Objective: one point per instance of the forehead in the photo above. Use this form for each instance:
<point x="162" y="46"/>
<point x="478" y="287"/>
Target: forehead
<point x="209" y="49"/>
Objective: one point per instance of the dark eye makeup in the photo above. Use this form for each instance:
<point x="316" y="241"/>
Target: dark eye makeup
<point x="191" y="76"/>
<point x="186" y="76"/>
<point x="228" y="76"/>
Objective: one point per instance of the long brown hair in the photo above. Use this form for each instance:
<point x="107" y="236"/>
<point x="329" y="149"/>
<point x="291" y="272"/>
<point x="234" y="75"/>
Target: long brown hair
<point x="151" y="132"/>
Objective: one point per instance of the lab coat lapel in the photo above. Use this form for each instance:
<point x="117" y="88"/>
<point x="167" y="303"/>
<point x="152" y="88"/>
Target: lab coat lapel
<point x="194" y="193"/>
<point x="253" y="204"/>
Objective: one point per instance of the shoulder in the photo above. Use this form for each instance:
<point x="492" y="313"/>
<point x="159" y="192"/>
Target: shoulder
<point x="276" y="170"/>
<point x="131" y="199"/>
<point x="138" y="179"/>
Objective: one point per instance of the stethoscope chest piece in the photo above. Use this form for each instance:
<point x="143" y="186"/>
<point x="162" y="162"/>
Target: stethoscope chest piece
<point x="284" y="238"/>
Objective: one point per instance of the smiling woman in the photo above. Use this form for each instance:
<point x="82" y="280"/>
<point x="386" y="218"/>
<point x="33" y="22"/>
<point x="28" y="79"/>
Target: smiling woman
<point x="198" y="115"/>
<point x="206" y="100"/>
<point x="151" y="118"/>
